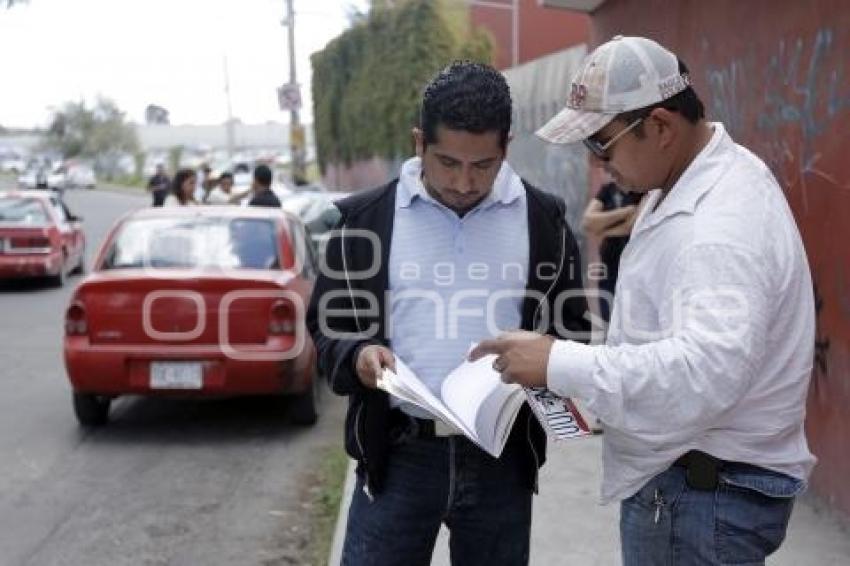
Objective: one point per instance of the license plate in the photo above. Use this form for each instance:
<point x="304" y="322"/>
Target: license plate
<point x="177" y="375"/>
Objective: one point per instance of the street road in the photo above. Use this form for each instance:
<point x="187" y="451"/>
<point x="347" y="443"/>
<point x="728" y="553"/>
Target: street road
<point x="166" y="482"/>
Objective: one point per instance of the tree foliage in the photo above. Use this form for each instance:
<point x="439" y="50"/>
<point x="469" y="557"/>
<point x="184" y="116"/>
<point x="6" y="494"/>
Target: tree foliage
<point x="367" y="82"/>
<point x="76" y="130"/>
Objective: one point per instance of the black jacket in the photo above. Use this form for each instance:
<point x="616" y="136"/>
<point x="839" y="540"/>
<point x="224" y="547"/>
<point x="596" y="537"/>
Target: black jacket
<point x="265" y="198"/>
<point x="356" y="282"/>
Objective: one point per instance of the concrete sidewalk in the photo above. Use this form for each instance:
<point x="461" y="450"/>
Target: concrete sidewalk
<point x="569" y="524"/>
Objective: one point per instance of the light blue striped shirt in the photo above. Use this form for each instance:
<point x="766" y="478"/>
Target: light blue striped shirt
<point x="454" y="281"/>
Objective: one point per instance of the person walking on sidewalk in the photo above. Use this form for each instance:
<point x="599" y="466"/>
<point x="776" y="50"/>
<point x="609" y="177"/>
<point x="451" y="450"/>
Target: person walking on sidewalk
<point x="702" y="381"/>
<point x="419" y="269"/>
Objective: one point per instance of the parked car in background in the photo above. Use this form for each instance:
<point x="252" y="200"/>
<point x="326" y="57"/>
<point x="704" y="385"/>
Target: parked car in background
<point x="39" y="237"/>
<point x="34" y="177"/>
<point x="13" y="164"/>
<point x="72" y="175"/>
<point x="195" y="301"/>
<point x="317" y="211"/>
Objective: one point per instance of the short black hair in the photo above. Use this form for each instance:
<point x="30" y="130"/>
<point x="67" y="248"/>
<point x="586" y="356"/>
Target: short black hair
<point x="177" y="183"/>
<point x="687" y="103"/>
<point x="467" y="96"/>
<point x="263" y="175"/>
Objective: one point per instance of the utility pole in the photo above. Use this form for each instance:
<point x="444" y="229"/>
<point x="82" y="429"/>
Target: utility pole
<point x="297" y="138"/>
<point x="230" y="125"/>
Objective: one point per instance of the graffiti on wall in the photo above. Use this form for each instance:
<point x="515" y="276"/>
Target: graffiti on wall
<point x="821" y="361"/>
<point x="795" y="96"/>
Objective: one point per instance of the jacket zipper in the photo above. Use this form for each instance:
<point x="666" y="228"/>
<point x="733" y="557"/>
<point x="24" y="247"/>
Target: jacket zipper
<point x="366" y="489"/>
<point x="535" y="485"/>
<point x="555" y="280"/>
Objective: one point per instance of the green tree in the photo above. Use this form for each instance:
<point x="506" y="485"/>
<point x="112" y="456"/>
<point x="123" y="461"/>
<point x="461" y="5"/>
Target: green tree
<point x="76" y="130"/>
<point x="367" y="82"/>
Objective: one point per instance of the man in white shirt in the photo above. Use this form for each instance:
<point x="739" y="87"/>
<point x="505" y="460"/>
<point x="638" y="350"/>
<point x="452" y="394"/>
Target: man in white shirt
<point x="223" y="193"/>
<point x="702" y="381"/>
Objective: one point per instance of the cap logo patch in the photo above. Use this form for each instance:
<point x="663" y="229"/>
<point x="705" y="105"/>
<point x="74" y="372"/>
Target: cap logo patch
<point x="578" y="95"/>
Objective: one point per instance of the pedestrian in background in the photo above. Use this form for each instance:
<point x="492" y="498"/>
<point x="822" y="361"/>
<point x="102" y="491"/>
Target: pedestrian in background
<point x="262" y="188"/>
<point x="203" y="182"/>
<point x="159" y="185"/>
<point x="702" y="381"/>
<point x="609" y="218"/>
<point x="182" y="189"/>
<point x="223" y="193"/>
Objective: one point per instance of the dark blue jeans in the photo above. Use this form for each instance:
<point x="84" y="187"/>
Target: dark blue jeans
<point x="741" y="522"/>
<point x="430" y="481"/>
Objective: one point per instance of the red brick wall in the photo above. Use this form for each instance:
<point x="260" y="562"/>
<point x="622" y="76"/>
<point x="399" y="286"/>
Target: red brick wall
<point x="541" y="30"/>
<point x="777" y="73"/>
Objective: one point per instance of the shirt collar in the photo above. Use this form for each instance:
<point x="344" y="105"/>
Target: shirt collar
<point x="507" y="187"/>
<point x="699" y="177"/>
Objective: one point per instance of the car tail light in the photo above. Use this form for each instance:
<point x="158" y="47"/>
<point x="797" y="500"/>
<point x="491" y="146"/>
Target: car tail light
<point x="29" y="244"/>
<point x="282" y="318"/>
<point x="75" y="320"/>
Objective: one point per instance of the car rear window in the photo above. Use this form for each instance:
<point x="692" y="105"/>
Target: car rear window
<point x="25" y="211"/>
<point x="166" y="243"/>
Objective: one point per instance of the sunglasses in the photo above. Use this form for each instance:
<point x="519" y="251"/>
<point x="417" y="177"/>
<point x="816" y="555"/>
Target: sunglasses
<point x="600" y="150"/>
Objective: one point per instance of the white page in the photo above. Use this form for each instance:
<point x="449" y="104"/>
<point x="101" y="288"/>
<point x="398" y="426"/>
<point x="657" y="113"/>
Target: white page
<point x="405" y="385"/>
<point x="506" y="419"/>
<point x="497" y="414"/>
<point x="466" y="391"/>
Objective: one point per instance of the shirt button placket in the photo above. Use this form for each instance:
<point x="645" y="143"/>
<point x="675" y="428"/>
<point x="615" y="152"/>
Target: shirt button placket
<point x="459" y="237"/>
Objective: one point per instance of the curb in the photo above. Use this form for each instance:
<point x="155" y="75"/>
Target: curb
<point x="342" y="518"/>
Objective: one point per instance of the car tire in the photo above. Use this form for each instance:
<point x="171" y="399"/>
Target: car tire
<point x="58" y="280"/>
<point x="91" y="410"/>
<point x="304" y="410"/>
<point x="80" y="269"/>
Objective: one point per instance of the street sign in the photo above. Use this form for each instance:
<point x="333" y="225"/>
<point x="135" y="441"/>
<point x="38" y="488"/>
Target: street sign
<point x="289" y="97"/>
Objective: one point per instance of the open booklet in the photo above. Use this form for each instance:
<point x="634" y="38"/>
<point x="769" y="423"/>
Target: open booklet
<point x="476" y="402"/>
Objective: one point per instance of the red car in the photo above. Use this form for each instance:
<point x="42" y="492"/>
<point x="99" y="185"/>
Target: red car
<point x="39" y="237"/>
<point x="194" y="301"/>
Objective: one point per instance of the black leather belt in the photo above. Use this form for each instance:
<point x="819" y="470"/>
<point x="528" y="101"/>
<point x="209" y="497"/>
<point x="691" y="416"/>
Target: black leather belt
<point x="701" y="469"/>
<point x="403" y="424"/>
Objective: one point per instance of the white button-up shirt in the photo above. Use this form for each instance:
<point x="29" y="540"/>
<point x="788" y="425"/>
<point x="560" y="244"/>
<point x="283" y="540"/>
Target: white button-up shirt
<point x="711" y="340"/>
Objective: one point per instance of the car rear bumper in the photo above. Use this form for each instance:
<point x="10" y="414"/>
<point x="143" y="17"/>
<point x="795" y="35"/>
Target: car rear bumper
<point x="122" y="369"/>
<point x="15" y="266"/>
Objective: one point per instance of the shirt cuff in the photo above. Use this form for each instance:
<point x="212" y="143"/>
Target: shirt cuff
<point x="569" y="372"/>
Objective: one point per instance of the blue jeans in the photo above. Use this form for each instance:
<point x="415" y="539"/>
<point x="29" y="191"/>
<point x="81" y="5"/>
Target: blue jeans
<point x="430" y="481"/>
<point x="741" y="522"/>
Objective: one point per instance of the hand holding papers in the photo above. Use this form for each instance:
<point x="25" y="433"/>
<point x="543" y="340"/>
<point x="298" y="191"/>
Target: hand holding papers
<point x="473" y="400"/>
<point x="476" y="402"/>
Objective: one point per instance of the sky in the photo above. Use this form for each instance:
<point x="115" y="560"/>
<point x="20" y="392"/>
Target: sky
<point x="165" y="52"/>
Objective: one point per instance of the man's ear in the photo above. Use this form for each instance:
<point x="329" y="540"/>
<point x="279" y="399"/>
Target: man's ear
<point x="666" y="126"/>
<point x="418" y="141"/>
